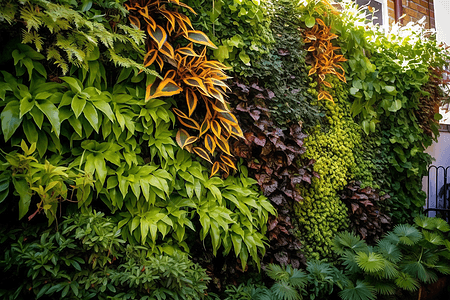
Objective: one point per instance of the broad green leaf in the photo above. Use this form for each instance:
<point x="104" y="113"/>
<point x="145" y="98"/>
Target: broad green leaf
<point x="100" y="167"/>
<point x="310" y="21"/>
<point x="78" y="105"/>
<point x="104" y="107"/>
<point x="75" y="85"/>
<point x="243" y="56"/>
<point x="25" y="106"/>
<point x="91" y="115"/>
<point x="52" y="113"/>
<point x="10" y="119"/>
<point x="22" y="188"/>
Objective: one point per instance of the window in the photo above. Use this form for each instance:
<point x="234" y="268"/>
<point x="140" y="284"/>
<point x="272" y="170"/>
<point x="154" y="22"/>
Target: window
<point x="380" y="9"/>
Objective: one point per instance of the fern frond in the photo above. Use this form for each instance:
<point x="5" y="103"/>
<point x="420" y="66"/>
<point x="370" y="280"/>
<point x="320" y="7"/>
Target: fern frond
<point x="53" y="54"/>
<point x="361" y="291"/>
<point x="345" y="240"/>
<point x="284" y="291"/>
<point x="407" y="282"/>
<point x="31" y="16"/>
<point x="129" y="63"/>
<point x="7" y="12"/>
<point x="383" y="287"/>
<point x="407" y="234"/>
<point x="32" y="37"/>
<point x="370" y="262"/>
<point x="389" y="251"/>
<point x="349" y="261"/>
<point x="277" y="272"/>
<point x="298" y="278"/>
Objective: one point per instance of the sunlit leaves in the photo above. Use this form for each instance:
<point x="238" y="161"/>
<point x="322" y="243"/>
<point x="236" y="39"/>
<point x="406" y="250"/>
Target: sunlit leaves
<point x="326" y="61"/>
<point x="202" y="81"/>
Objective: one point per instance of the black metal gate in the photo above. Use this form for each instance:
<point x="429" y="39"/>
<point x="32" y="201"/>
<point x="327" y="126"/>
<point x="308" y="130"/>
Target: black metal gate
<point x="438" y="192"/>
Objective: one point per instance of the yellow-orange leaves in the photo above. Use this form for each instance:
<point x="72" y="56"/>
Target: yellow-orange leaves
<point x="186" y="71"/>
<point x="326" y="60"/>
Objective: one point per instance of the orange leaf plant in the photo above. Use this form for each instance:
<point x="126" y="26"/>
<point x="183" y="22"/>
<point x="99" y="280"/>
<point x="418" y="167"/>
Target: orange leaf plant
<point x="188" y="72"/>
<point x="326" y="61"/>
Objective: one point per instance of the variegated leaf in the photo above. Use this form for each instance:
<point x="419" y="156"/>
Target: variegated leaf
<point x="159" y="35"/>
<point x="227" y="161"/>
<point x="205" y="126"/>
<point x="183" y="138"/>
<point x="199" y="37"/>
<point x="215" y="127"/>
<point x="192" y="100"/>
<point x="185" y="120"/>
<point x="210" y="145"/>
<point x="202" y="153"/>
<point x="223" y="145"/>
<point x="215" y="168"/>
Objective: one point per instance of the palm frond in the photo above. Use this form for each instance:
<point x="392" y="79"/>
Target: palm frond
<point x="277" y="272"/>
<point x="407" y="234"/>
<point x="407" y="282"/>
<point x="298" y="278"/>
<point x="389" y="251"/>
<point x="348" y="240"/>
<point x="284" y="291"/>
<point x="349" y="261"/>
<point x="383" y="287"/>
<point x="418" y="270"/>
<point x="370" y="262"/>
<point x="361" y="291"/>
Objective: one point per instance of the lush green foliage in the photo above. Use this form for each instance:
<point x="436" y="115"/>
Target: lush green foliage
<point x="390" y="79"/>
<point x="322" y="213"/>
<point x="406" y="257"/>
<point x="366" y="217"/>
<point x="87" y="259"/>
<point x="240" y="29"/>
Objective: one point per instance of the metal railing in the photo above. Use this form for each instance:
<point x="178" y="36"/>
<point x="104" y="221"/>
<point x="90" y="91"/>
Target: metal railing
<point x="438" y="192"/>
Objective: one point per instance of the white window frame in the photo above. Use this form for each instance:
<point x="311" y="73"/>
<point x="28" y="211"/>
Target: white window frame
<point x="384" y="13"/>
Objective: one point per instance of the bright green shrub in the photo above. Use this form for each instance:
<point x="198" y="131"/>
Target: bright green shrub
<point x="322" y="214"/>
<point x="405" y="258"/>
<point x="87" y="259"/>
<point x="240" y="29"/>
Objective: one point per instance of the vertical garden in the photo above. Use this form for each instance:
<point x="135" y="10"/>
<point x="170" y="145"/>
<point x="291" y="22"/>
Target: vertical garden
<point x="216" y="149"/>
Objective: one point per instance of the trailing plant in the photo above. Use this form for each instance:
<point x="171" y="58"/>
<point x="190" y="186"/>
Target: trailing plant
<point x="73" y="34"/>
<point x="389" y="79"/>
<point x="241" y="29"/>
<point x="406" y="257"/>
<point x="325" y="59"/>
<point x="87" y="259"/>
<point x="281" y="73"/>
<point x="322" y="213"/>
<point x="191" y="73"/>
<point x="316" y="282"/>
<point x="366" y="217"/>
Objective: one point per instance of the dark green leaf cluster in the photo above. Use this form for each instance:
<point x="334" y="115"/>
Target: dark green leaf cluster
<point x="240" y="29"/>
<point x="86" y="259"/>
<point x="406" y="257"/>
<point x="322" y="213"/>
<point x="72" y="32"/>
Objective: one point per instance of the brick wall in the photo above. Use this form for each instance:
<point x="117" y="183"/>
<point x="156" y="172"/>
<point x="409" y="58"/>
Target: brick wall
<point x="414" y="10"/>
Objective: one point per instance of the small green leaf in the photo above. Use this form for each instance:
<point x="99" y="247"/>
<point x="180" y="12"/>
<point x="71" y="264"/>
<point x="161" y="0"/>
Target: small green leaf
<point x="244" y="57"/>
<point x="310" y="21"/>
<point x="22" y="188"/>
<point x="10" y="119"/>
